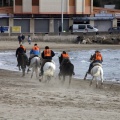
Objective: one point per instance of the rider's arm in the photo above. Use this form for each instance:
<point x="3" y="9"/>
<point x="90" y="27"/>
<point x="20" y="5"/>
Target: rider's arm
<point x="31" y="51"/>
<point x="52" y="53"/>
<point x="16" y="52"/>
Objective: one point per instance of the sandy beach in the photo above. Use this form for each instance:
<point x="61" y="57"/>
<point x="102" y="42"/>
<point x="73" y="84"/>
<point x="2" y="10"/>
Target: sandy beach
<point x="23" y="98"/>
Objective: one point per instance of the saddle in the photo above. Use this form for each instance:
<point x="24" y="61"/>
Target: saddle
<point x="97" y="63"/>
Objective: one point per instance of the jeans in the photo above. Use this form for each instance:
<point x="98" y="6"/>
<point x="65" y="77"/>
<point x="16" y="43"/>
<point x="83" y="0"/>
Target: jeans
<point x="91" y="65"/>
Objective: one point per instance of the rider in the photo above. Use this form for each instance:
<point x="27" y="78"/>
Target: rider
<point x="35" y="51"/>
<point x="64" y="56"/>
<point x="21" y="50"/>
<point x="97" y="57"/>
<point x="46" y="55"/>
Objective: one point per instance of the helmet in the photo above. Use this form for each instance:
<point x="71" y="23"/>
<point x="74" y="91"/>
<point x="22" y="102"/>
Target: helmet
<point x="96" y="51"/>
<point x="64" y="52"/>
<point x="35" y="44"/>
<point x="46" y="47"/>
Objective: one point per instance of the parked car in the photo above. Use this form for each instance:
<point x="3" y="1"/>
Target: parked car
<point x="84" y="28"/>
<point x="114" y="30"/>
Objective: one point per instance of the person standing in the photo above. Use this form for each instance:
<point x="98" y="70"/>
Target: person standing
<point x="23" y="38"/>
<point x="2" y="29"/>
<point x="60" y="29"/>
<point x="20" y="39"/>
<point x="29" y="39"/>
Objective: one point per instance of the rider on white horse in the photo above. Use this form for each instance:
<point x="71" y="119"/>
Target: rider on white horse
<point x="46" y="55"/>
<point x="96" y="58"/>
<point x="35" y="51"/>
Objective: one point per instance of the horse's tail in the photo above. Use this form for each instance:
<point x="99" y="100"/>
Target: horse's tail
<point x="98" y="71"/>
<point x="37" y="63"/>
<point x="50" y="70"/>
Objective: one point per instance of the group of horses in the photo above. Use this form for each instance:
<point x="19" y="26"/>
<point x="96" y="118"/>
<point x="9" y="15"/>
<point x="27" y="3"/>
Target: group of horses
<point x="49" y="68"/>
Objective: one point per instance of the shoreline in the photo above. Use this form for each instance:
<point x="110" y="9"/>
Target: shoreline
<point x="13" y="45"/>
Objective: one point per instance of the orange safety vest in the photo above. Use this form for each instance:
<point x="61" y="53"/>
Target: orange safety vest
<point x="36" y="48"/>
<point x="47" y="53"/>
<point x="98" y="56"/>
<point x="65" y="55"/>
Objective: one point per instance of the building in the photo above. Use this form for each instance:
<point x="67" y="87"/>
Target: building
<point x="36" y="16"/>
<point x="45" y="16"/>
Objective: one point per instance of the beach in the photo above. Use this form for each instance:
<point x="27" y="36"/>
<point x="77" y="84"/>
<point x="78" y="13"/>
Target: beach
<point x="23" y="98"/>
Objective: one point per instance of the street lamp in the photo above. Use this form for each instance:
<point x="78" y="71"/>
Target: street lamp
<point x="62" y="9"/>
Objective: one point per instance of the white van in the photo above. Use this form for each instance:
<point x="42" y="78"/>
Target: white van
<point x="83" y="28"/>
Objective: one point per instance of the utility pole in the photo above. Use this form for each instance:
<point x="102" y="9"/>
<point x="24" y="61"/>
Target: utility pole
<point x="62" y="9"/>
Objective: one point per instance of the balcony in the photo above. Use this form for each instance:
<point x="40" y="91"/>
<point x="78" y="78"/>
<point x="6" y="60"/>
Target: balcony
<point x="71" y="9"/>
<point x="6" y="10"/>
<point x="18" y="9"/>
<point x="35" y="9"/>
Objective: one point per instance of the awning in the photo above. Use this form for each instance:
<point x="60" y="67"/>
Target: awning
<point x="93" y="18"/>
<point x="4" y="16"/>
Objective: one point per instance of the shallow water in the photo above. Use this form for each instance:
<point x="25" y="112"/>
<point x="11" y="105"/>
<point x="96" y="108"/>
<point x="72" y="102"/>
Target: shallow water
<point x="80" y="59"/>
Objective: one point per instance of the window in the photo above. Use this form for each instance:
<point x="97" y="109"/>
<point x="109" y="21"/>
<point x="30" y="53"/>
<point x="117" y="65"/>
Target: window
<point x="0" y="2"/>
<point x="81" y="27"/>
<point x="18" y="2"/>
<point x="89" y="26"/>
<point x="35" y="2"/>
<point x="11" y="2"/>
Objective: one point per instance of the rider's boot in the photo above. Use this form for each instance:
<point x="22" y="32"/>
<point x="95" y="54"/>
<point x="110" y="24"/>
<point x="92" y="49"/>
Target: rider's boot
<point x="73" y="73"/>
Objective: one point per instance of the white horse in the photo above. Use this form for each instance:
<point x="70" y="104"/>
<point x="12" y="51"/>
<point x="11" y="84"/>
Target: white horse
<point x="35" y="65"/>
<point x="96" y="72"/>
<point x="49" y="70"/>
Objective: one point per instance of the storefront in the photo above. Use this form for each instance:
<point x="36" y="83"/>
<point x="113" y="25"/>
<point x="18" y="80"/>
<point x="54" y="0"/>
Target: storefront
<point x="24" y="23"/>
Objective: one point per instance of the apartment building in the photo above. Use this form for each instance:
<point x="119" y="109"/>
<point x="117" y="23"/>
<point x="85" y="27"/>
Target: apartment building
<point x="43" y="15"/>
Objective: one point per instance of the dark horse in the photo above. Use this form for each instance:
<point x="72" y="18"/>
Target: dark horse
<point x="67" y="69"/>
<point x="22" y="63"/>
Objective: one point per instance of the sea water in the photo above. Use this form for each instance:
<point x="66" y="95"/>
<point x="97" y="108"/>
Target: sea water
<point x="80" y="59"/>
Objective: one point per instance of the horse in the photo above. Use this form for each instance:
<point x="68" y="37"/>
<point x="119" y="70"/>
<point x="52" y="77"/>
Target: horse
<point x="49" y="70"/>
<point x="22" y="63"/>
<point x="67" y="69"/>
<point x="96" y="72"/>
<point x="35" y="65"/>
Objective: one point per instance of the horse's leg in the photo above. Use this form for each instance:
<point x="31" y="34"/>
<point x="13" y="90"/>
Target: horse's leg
<point x="85" y="76"/>
<point x="101" y="76"/>
<point x="59" y="76"/>
<point x="28" y="69"/>
<point x="96" y="82"/>
<point x="32" y="72"/>
<point x="91" y="81"/>
<point x="19" y="68"/>
<point x="23" y="72"/>
<point x="70" y="77"/>
<point x="63" y="79"/>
